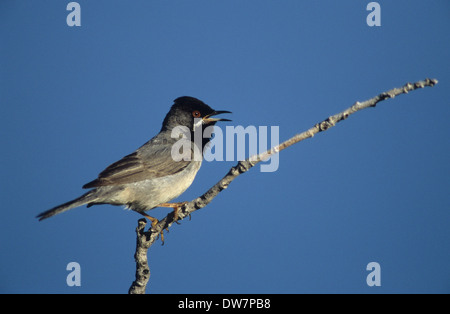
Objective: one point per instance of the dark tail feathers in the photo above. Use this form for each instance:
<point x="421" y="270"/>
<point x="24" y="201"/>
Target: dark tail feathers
<point x="83" y="199"/>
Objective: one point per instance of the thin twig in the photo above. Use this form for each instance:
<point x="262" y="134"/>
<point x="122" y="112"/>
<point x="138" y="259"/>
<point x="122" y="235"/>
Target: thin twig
<point x="146" y="239"/>
<point x="142" y="269"/>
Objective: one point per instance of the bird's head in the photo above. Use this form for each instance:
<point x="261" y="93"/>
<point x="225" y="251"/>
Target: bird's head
<point x="191" y="113"/>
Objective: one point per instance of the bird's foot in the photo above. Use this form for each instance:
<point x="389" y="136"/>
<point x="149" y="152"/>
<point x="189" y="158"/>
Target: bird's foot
<point x="152" y="219"/>
<point x="176" y="207"/>
<point x="154" y="223"/>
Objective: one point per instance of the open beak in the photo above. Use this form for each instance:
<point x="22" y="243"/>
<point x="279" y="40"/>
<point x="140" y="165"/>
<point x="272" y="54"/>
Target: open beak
<point x="208" y="119"/>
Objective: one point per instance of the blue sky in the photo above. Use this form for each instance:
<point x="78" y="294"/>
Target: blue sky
<point x="373" y="189"/>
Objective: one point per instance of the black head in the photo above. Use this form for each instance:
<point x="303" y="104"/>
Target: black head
<point x="190" y="112"/>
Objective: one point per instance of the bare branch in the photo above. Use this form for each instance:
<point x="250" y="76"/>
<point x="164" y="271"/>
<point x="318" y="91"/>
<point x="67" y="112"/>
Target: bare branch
<point x="146" y="239"/>
<point x="142" y="270"/>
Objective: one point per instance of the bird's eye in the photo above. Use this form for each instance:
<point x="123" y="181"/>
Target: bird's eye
<point x="196" y="114"/>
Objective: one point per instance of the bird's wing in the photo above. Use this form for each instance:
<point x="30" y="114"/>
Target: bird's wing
<point x="140" y="165"/>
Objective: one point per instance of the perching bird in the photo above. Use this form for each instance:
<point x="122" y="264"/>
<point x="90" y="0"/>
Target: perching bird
<point x="151" y="176"/>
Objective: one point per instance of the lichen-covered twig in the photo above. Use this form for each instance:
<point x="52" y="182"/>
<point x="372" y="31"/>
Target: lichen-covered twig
<point x="146" y="238"/>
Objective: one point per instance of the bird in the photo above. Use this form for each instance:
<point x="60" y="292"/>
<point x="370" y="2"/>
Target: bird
<point x="151" y="177"/>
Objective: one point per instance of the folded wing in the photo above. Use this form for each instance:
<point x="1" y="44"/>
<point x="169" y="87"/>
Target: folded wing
<point x="138" y="166"/>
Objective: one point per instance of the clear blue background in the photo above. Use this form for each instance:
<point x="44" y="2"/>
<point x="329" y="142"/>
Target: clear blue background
<point x="374" y="188"/>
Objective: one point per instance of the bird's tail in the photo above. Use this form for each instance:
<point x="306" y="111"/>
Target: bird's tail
<point x="83" y="199"/>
